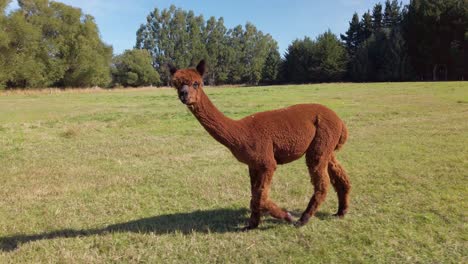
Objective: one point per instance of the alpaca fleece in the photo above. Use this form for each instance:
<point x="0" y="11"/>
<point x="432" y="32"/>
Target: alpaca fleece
<point x="266" y="139"/>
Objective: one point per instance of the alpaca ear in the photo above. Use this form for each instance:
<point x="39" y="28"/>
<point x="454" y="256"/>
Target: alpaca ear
<point x="172" y="69"/>
<point x="201" y="67"/>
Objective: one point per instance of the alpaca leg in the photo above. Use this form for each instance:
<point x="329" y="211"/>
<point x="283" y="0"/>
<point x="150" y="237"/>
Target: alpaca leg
<point x="321" y="181"/>
<point x="260" y="180"/>
<point x="317" y="158"/>
<point x="340" y="180"/>
<point x="255" y="213"/>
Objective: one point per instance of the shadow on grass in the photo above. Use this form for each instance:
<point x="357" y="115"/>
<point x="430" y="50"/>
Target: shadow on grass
<point x="210" y="221"/>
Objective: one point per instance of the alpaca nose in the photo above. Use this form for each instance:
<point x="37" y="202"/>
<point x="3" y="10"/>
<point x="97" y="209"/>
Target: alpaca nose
<point x="183" y="94"/>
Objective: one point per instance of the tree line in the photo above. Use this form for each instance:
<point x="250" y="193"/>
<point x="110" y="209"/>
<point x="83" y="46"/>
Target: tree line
<point x="425" y="40"/>
<point x="50" y="44"/>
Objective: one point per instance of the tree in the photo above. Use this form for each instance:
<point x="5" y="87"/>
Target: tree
<point x="172" y="36"/>
<point x="215" y="47"/>
<point x="224" y="54"/>
<point x="330" y="57"/>
<point x="352" y="38"/>
<point x="256" y="48"/>
<point x="271" y="68"/>
<point x="396" y="61"/>
<point x="196" y="42"/>
<point x="392" y="15"/>
<point x="88" y="64"/>
<point x="236" y="53"/>
<point x="24" y="67"/>
<point x="52" y="44"/>
<point x="134" y="68"/>
<point x="154" y="36"/>
<point x="367" y="27"/>
<point x="377" y="17"/>
<point x="298" y="60"/>
<point x="322" y="60"/>
<point x="179" y="37"/>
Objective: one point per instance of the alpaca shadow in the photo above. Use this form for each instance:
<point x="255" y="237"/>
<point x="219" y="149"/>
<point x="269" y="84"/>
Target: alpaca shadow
<point x="209" y="221"/>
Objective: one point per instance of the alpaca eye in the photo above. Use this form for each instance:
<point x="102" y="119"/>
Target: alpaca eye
<point x="195" y="85"/>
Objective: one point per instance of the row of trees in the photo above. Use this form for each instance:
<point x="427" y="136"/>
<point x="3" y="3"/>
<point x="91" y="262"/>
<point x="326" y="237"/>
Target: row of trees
<point x="237" y="55"/>
<point x="376" y="46"/>
<point x="46" y="43"/>
<point x="436" y="34"/>
<point x="425" y="40"/>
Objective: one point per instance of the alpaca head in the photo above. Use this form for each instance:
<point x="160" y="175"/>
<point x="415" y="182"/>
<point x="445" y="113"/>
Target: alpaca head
<point x="188" y="82"/>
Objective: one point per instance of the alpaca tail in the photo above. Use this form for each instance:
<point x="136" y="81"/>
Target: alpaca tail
<point x="343" y="137"/>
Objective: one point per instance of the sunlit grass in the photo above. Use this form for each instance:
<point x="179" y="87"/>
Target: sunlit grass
<point x="130" y="175"/>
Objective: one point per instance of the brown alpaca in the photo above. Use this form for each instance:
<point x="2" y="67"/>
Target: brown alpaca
<point x="265" y="139"/>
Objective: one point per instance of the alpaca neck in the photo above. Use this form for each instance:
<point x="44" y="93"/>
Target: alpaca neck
<point x="222" y="128"/>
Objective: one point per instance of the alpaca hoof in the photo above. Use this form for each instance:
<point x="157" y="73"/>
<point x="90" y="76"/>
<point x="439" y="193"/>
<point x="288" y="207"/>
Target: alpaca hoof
<point x="299" y="223"/>
<point x="340" y="214"/>
<point x="247" y="228"/>
<point x="302" y="222"/>
<point x="289" y="218"/>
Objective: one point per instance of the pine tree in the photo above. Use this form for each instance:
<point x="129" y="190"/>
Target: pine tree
<point x="377" y="17"/>
<point x="352" y="37"/>
<point x="392" y="14"/>
<point x="366" y="27"/>
<point x="396" y="65"/>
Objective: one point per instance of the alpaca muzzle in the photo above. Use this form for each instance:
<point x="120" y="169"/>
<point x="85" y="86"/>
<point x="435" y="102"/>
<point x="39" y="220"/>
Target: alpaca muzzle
<point x="183" y="94"/>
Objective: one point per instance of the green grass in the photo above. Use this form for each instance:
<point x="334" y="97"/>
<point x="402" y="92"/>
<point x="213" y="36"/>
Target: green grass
<point x="131" y="176"/>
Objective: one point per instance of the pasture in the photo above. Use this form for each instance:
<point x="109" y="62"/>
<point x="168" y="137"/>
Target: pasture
<point x="131" y="176"/>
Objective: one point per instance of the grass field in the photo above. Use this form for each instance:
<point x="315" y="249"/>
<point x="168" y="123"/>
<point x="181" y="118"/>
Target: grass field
<point x="131" y="176"/>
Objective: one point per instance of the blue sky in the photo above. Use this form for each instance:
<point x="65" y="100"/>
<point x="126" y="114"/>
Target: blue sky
<point x="285" y="20"/>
